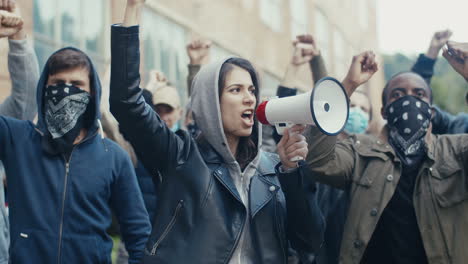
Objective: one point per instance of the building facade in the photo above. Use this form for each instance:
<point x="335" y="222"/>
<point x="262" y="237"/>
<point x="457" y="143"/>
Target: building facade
<point x="259" y="30"/>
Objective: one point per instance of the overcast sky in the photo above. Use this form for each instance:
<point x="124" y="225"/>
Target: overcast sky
<point x="407" y="25"/>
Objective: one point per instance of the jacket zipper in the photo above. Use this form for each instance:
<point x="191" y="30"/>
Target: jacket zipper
<point x="242" y="227"/>
<point x="237" y="240"/>
<point x="67" y="170"/>
<point x="168" y="228"/>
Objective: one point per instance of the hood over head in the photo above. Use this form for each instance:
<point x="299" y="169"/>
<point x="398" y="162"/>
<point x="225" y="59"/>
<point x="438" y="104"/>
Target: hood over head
<point x="207" y="111"/>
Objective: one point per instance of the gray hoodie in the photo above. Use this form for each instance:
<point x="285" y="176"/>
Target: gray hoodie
<point x="207" y="115"/>
<point x="21" y="104"/>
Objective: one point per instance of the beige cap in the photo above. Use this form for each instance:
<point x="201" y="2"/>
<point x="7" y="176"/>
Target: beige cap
<point x="167" y="95"/>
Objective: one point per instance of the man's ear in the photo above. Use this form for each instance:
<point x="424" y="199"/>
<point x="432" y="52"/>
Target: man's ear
<point x="433" y="113"/>
<point x="382" y="112"/>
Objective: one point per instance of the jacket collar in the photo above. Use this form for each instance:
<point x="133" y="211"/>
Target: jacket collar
<point x="382" y="145"/>
<point x="263" y="187"/>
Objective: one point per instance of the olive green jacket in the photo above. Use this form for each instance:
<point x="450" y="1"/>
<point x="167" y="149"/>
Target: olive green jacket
<point x="369" y="167"/>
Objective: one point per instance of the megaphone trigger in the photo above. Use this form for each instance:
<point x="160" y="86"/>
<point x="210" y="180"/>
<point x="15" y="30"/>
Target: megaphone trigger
<point x="281" y="126"/>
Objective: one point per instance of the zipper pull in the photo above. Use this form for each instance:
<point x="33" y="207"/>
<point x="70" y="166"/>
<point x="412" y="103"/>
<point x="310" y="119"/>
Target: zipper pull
<point x="153" y="250"/>
<point x="67" y="166"/>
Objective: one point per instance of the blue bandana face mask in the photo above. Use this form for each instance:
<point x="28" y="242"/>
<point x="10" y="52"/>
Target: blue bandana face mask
<point x="358" y="121"/>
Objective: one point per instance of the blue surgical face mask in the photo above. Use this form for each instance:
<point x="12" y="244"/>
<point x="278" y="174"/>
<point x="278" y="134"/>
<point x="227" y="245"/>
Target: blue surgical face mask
<point x="175" y="127"/>
<point x="358" y="121"/>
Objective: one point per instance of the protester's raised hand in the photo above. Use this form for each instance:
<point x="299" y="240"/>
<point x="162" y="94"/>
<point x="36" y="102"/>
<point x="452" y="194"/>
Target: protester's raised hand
<point x="457" y="56"/>
<point x="156" y="80"/>
<point x="439" y="39"/>
<point x="305" y="48"/>
<point x="292" y="144"/>
<point x="135" y="2"/>
<point x="10" y="23"/>
<point x="132" y="12"/>
<point x="363" y="66"/>
<point x="8" y="5"/>
<point x="199" y="51"/>
<point x="12" y="30"/>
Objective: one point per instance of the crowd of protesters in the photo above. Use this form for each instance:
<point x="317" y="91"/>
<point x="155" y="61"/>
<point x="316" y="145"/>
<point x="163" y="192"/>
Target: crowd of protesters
<point x="205" y="182"/>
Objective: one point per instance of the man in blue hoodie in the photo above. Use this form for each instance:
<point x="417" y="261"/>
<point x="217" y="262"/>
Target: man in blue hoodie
<point x="64" y="177"/>
<point x="21" y="103"/>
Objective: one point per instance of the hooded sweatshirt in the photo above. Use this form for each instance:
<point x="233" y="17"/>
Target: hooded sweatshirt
<point x="60" y="210"/>
<point x="207" y="115"/>
<point x="21" y="104"/>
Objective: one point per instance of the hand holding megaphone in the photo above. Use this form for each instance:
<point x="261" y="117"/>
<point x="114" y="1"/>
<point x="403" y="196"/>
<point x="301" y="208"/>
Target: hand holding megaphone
<point x="292" y="146"/>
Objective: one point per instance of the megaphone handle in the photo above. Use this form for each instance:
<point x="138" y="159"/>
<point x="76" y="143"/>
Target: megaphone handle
<point x="296" y="158"/>
<point x="280" y="127"/>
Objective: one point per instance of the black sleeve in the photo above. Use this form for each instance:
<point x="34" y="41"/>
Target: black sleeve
<point x="305" y="222"/>
<point x="424" y="66"/>
<point x="441" y="121"/>
<point x="155" y="144"/>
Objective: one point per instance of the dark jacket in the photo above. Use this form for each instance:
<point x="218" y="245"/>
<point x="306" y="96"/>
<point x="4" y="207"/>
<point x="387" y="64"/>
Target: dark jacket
<point x="446" y="123"/>
<point x="21" y="104"/>
<point x="201" y="214"/>
<point x="443" y="122"/>
<point x="148" y="185"/>
<point x="60" y="210"/>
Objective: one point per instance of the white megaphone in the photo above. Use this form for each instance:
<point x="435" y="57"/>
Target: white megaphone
<point x="326" y="107"/>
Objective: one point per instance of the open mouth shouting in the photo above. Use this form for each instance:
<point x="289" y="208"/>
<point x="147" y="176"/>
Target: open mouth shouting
<point x="248" y="117"/>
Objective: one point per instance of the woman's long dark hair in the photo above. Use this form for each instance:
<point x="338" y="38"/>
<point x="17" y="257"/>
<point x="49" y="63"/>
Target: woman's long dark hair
<point x="247" y="149"/>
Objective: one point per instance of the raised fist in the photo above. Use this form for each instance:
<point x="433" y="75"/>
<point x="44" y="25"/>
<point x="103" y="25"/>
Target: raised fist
<point x="439" y="39"/>
<point x="363" y="66"/>
<point x="135" y="2"/>
<point x="305" y="48"/>
<point x="156" y="80"/>
<point x="10" y="23"/>
<point x="457" y="56"/>
<point x="199" y="51"/>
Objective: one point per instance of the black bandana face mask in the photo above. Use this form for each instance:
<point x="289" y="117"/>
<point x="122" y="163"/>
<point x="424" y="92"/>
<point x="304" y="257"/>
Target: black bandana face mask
<point x="65" y="105"/>
<point x="408" y="120"/>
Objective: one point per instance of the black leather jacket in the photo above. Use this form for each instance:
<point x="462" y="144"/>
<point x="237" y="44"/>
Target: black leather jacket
<point x="200" y="214"/>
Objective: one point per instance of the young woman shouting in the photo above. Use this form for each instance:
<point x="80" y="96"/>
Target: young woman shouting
<point x="222" y="199"/>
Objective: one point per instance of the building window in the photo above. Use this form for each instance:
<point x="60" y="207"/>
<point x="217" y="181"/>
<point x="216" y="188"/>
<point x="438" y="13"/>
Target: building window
<point x="165" y="50"/>
<point x="247" y="4"/>
<point x="340" y="50"/>
<point x="82" y="24"/>
<point x="363" y="14"/>
<point x="270" y="13"/>
<point x="322" y="35"/>
<point x="269" y="84"/>
<point x="218" y="53"/>
<point x="298" y="17"/>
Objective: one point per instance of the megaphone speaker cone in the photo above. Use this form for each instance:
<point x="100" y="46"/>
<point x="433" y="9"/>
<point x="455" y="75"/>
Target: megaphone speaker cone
<point x="330" y="106"/>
